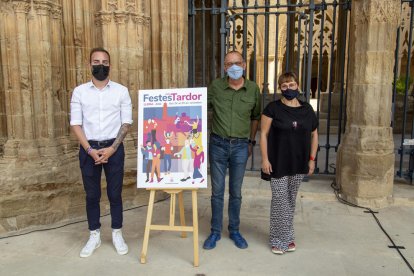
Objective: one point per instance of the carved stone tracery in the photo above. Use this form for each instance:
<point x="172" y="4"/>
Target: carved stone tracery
<point x="21" y="6"/>
<point x="112" y="5"/>
<point x="43" y="7"/>
<point x="103" y="18"/>
<point x="56" y="12"/>
<point x="121" y="17"/>
<point x="130" y="6"/>
<point x="376" y="11"/>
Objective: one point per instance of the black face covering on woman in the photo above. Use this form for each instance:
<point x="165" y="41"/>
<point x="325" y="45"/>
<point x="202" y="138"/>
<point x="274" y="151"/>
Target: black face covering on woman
<point x="100" y="72"/>
<point x="290" y="94"/>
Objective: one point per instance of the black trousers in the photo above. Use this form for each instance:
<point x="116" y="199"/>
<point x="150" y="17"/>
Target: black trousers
<point x="91" y="175"/>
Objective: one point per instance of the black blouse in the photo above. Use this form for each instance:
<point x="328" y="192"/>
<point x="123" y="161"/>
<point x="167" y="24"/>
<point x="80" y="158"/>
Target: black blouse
<point x="289" y="140"/>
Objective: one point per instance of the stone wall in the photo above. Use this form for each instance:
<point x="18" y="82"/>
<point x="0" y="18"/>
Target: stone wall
<point x="44" y="54"/>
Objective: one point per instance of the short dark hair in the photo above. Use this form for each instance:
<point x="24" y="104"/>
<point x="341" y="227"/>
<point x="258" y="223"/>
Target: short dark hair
<point x="98" y="49"/>
<point x="287" y="76"/>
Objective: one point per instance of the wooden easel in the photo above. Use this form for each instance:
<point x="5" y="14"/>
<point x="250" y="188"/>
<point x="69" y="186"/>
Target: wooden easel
<point x="171" y="227"/>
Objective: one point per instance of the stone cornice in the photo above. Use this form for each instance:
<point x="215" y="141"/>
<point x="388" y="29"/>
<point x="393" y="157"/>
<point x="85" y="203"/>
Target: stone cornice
<point x="140" y="19"/>
<point x="147" y="21"/>
<point x="43" y="7"/>
<point x="21" y="6"/>
<point x="137" y="19"/>
<point x="56" y="11"/>
<point x="121" y="17"/>
<point x="103" y="18"/>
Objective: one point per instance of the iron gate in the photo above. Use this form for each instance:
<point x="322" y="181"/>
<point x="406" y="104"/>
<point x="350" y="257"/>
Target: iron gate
<point x="275" y="36"/>
<point x="402" y="96"/>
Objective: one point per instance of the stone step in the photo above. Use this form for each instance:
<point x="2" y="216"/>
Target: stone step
<point x="323" y="129"/>
<point x="325" y="121"/>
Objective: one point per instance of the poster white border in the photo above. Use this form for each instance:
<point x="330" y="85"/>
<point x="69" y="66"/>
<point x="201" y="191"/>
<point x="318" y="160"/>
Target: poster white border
<point x="179" y="116"/>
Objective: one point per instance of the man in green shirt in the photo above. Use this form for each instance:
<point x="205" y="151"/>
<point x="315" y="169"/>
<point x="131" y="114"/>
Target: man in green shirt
<point x="235" y="102"/>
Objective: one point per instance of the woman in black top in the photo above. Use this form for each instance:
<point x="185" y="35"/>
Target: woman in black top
<point x="288" y="143"/>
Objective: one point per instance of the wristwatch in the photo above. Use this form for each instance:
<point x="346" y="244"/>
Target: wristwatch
<point x="253" y="142"/>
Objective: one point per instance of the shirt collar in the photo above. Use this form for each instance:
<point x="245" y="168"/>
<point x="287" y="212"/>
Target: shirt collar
<point x="91" y="85"/>
<point x="226" y="83"/>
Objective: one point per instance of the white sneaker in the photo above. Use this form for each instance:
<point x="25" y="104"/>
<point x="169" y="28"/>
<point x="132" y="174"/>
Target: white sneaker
<point x="93" y="243"/>
<point x="118" y="241"/>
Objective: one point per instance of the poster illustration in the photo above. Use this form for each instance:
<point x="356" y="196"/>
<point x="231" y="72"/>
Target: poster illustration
<point x="172" y="138"/>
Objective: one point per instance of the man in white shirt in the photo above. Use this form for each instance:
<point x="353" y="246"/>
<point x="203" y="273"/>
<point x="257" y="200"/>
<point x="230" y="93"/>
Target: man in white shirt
<point x="101" y="115"/>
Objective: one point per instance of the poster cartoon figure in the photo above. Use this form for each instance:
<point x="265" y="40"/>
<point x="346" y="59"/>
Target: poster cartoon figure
<point x="172" y="134"/>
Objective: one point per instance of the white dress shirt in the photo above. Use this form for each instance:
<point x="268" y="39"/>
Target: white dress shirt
<point x="100" y="112"/>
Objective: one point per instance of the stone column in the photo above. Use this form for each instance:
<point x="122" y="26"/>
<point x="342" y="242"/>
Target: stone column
<point x="44" y="54"/>
<point x="16" y="76"/>
<point x="34" y="97"/>
<point x="365" y="160"/>
<point x="3" y="118"/>
<point x="169" y="43"/>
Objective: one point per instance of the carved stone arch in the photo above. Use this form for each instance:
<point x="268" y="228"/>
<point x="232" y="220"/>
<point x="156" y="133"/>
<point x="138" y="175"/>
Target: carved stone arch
<point x="404" y="40"/>
<point x="250" y="35"/>
<point x="250" y="42"/>
<point x="327" y="31"/>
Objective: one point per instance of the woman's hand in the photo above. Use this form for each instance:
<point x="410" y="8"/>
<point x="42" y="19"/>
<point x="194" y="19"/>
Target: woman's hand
<point x="311" y="164"/>
<point x="266" y="167"/>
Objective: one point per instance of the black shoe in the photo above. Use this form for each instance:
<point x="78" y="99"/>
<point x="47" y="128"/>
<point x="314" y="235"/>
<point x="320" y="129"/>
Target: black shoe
<point x="147" y="180"/>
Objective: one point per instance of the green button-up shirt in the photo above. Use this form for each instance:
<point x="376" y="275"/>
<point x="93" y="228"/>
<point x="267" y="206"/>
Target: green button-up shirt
<point x="232" y="109"/>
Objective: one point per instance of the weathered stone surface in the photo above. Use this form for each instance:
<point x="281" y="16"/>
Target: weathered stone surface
<point x="44" y="54"/>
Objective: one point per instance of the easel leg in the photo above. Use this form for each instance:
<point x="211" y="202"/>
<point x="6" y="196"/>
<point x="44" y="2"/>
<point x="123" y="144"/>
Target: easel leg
<point x="172" y="209"/>
<point x="147" y="227"/>
<point x="195" y="226"/>
<point x="182" y="215"/>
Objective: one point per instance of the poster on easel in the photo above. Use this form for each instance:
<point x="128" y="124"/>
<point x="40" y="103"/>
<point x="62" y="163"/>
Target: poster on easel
<point x="172" y="138"/>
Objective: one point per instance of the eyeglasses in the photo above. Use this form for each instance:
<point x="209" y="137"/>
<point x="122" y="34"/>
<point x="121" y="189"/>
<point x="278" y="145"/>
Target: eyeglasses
<point x="229" y="64"/>
<point x="291" y="85"/>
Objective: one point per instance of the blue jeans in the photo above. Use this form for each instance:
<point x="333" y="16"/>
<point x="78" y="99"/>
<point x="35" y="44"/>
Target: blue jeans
<point x="167" y="162"/>
<point x="233" y="154"/>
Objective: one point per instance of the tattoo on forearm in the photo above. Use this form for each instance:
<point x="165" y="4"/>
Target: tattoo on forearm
<point x="121" y="136"/>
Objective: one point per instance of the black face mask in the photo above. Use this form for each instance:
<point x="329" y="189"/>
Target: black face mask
<point x="290" y="94"/>
<point x="100" y="72"/>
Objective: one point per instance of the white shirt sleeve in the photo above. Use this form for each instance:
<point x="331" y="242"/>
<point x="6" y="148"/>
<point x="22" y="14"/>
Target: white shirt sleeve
<point x="75" y="109"/>
<point x="126" y="108"/>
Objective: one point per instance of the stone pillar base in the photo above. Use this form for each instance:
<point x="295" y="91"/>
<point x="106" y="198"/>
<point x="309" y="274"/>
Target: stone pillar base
<point x="366" y="162"/>
<point x="33" y="150"/>
<point x="373" y="203"/>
